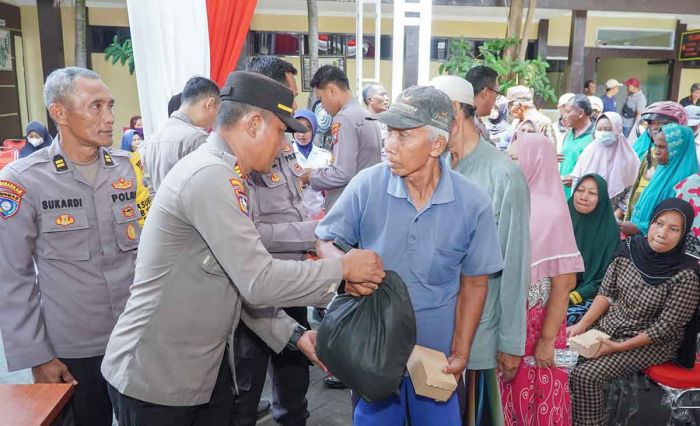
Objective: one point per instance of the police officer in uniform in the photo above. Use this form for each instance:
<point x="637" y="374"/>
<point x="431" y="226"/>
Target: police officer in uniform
<point x="202" y="267"/>
<point x="286" y="232"/>
<point x="70" y="221"/>
<point x="357" y="142"/>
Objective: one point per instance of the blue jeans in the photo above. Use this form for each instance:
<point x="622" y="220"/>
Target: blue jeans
<point x="392" y="411"/>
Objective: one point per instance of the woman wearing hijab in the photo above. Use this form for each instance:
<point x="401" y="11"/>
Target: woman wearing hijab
<point x="310" y="156"/>
<point x="689" y="190"/>
<point x="655" y="116"/>
<point x="539" y="395"/>
<point x="37" y="138"/>
<point x="597" y="237"/>
<point x="611" y="157"/>
<point x="131" y="140"/>
<point x="649" y="295"/>
<point x="675" y="154"/>
<point x="497" y="125"/>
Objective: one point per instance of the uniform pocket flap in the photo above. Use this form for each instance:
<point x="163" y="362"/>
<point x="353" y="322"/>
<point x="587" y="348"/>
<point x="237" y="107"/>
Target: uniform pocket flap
<point x="210" y="265"/>
<point x="64" y="220"/>
<point x="126" y="212"/>
<point x="274" y="179"/>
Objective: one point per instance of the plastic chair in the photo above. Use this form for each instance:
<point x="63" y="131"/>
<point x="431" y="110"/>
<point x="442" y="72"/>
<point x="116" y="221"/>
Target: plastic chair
<point x="7" y="155"/>
<point x="682" y="389"/>
<point x="17" y="144"/>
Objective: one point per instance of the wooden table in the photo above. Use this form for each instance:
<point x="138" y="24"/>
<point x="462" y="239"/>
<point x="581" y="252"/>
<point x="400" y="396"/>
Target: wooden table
<point x="32" y="405"/>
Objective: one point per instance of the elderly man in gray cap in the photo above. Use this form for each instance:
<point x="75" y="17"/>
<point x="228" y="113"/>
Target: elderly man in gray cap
<point x="434" y="228"/>
<point x="202" y="267"/>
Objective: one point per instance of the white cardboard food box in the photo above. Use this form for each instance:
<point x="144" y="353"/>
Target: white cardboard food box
<point x="425" y="368"/>
<point x="587" y="344"/>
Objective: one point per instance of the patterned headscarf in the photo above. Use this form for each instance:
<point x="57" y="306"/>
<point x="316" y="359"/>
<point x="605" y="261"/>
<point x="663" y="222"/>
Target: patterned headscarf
<point x="682" y="162"/>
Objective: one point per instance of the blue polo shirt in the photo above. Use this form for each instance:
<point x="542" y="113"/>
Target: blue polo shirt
<point x="453" y="234"/>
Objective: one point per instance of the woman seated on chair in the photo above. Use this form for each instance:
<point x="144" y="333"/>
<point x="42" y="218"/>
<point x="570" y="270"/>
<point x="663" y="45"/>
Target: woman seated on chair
<point x="648" y="296"/>
<point x="597" y="238"/>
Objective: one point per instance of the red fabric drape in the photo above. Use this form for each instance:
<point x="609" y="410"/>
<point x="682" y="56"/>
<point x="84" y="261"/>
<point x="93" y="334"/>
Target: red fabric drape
<point x="229" y="21"/>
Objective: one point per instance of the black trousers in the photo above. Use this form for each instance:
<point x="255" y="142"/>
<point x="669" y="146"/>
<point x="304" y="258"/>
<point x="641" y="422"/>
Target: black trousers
<point x="217" y="412"/>
<point x="289" y="371"/>
<point x="90" y="404"/>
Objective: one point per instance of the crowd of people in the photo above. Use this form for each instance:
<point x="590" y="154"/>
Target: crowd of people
<point x="153" y="277"/>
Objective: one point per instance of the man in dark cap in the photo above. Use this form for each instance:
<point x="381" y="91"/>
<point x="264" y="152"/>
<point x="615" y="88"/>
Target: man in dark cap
<point x="201" y="268"/>
<point x="434" y="228"/>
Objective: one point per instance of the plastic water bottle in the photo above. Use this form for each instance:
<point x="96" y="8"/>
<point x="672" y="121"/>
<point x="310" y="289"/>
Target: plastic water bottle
<point x="563" y="358"/>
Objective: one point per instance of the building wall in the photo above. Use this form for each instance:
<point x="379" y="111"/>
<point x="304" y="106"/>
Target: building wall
<point x="34" y="75"/>
<point x="123" y="88"/>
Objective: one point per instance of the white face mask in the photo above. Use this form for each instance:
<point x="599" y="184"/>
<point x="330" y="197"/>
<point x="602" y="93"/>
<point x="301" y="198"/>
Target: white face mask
<point x="35" y="141"/>
<point x="606" y="138"/>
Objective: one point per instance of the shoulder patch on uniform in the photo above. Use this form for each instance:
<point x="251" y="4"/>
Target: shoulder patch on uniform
<point x="10" y="198"/>
<point x="60" y="163"/>
<point x="241" y="197"/>
<point x="335" y="129"/>
<point x="122" y="183"/>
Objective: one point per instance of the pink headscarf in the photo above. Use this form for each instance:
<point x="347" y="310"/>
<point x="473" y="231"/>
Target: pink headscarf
<point x="552" y="242"/>
<point x="617" y="164"/>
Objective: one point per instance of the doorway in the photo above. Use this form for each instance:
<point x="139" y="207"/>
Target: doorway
<point x="653" y="74"/>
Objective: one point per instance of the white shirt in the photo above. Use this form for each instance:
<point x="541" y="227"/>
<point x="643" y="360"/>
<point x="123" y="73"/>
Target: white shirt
<point x="318" y="158"/>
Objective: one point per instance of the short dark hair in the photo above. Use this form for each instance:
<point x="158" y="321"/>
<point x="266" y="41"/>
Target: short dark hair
<point x="694" y="87"/>
<point x="581" y="101"/>
<point x="481" y="77"/>
<point x="133" y="120"/>
<point x="174" y="103"/>
<point x="270" y="66"/>
<point x="468" y="110"/>
<point x="198" y="88"/>
<point x="330" y="74"/>
<point x="231" y="112"/>
<point x="588" y="83"/>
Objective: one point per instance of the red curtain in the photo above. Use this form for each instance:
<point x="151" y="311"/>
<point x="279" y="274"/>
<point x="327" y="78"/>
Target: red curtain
<point x="229" y="21"/>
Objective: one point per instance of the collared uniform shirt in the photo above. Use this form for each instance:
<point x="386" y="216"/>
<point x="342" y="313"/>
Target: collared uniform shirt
<point x="67" y="253"/>
<point x="357" y="144"/>
<point x="453" y="234"/>
<point x="159" y="153"/>
<point x="201" y="267"/>
<point x="277" y="209"/>
<point x="318" y="158"/>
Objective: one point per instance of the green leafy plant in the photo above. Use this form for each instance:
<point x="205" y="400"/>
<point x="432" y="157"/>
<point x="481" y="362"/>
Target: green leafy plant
<point x="512" y="72"/>
<point x="121" y="52"/>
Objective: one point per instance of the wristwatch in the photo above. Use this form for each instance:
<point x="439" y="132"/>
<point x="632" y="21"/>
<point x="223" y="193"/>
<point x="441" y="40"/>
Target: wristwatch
<point x="299" y="330"/>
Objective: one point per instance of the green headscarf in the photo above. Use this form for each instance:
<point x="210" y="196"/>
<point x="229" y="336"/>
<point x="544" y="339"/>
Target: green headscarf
<point x="597" y="237"/>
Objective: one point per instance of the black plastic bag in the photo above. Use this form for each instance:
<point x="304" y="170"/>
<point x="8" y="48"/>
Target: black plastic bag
<point x="366" y="341"/>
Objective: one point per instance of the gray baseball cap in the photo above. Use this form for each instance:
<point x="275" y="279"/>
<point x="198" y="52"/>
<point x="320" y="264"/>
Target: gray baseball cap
<point x="419" y="106"/>
<point x="693" y="115"/>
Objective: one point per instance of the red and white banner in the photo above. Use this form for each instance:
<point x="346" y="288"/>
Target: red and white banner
<point x="174" y="40"/>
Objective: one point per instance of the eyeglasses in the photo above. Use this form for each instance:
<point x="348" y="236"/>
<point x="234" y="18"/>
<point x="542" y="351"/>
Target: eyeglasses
<point x="495" y="91"/>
